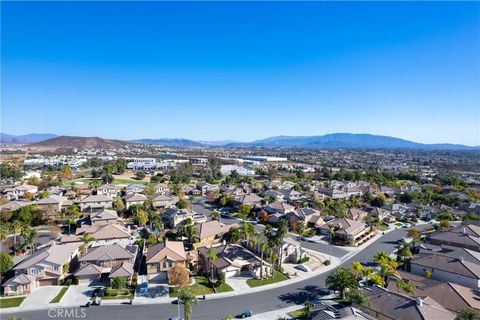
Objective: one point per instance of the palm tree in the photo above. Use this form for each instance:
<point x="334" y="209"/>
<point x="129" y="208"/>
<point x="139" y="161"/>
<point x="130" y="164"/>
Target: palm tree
<point x="366" y="273"/>
<point x="16" y="227"/>
<point x="29" y="234"/>
<point x="356" y="296"/>
<point x="212" y="256"/>
<point x="379" y="255"/>
<point x="409" y="288"/>
<point x="214" y="215"/>
<point x="356" y="268"/>
<point x="388" y="267"/>
<point x="188" y="300"/>
<point x="341" y="280"/>
<point x="308" y="308"/>
<point x="263" y="248"/>
<point x="86" y="239"/>
<point x="282" y="231"/>
<point x="4" y="230"/>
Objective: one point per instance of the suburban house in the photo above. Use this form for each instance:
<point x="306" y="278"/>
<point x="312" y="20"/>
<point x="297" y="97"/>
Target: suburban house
<point x="13" y="205"/>
<point x="447" y="269"/>
<point x="54" y="201"/>
<point x="463" y="237"/>
<point x="95" y="202"/>
<point x="19" y="192"/>
<point x="232" y="260"/>
<point x="385" y="304"/>
<point x="279" y="207"/>
<point x="162" y="256"/>
<point x="291" y="195"/>
<point x="173" y="217"/>
<point x="452" y="296"/>
<point x="249" y="199"/>
<point x="103" y="217"/>
<point x="98" y="262"/>
<point x="161" y="188"/>
<point x="308" y="215"/>
<point x="82" y="189"/>
<point x="134" y="199"/>
<point x="134" y="188"/>
<point x="347" y="231"/>
<point x="164" y="201"/>
<point x="104" y="235"/>
<point x="205" y="187"/>
<point x="109" y="190"/>
<point x="356" y="214"/>
<point x="42" y="268"/>
<point x="211" y="232"/>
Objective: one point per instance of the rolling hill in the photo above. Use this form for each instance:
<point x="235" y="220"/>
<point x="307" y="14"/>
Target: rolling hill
<point x="70" y="142"/>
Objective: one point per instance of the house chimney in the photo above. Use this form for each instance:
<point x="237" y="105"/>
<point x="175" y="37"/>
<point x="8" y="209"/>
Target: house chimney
<point x="460" y="258"/>
<point x="419" y="301"/>
<point x="464" y="231"/>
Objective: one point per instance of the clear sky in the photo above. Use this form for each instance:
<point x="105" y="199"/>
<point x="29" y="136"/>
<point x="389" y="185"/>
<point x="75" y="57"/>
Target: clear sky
<point x="242" y="71"/>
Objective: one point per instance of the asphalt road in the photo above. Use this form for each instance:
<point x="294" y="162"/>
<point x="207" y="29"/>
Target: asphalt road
<point x="259" y="302"/>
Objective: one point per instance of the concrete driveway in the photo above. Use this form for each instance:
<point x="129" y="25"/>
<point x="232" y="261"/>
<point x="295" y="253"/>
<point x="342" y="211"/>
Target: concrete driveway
<point x="41" y="296"/>
<point x="156" y="293"/>
<point x="77" y="295"/>
<point x="238" y="283"/>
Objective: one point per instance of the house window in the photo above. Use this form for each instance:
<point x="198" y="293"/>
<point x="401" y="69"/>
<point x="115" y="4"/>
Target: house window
<point x="167" y="264"/>
<point x="36" y="271"/>
<point x="56" y="268"/>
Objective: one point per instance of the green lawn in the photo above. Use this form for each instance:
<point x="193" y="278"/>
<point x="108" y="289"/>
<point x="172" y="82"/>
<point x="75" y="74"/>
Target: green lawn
<point x="240" y="216"/>
<point x="11" y="302"/>
<point x="128" y="181"/>
<point x="382" y="228"/>
<point x="297" y="314"/>
<point x="398" y="224"/>
<point x="277" y="277"/>
<point x="59" y="295"/>
<point x="118" y="294"/>
<point x="201" y="287"/>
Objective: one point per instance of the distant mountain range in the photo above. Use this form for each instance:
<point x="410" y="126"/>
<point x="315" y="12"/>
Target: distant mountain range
<point x="25" y="139"/>
<point x="334" y="140"/>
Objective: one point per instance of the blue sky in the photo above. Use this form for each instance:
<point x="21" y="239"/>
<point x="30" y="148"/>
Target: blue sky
<point x="242" y="71"/>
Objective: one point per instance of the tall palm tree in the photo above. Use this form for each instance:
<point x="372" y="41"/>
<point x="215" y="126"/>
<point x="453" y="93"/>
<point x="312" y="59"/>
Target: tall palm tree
<point x="308" y="308"/>
<point x="342" y="279"/>
<point x="379" y="255"/>
<point x="263" y="248"/>
<point x="188" y="300"/>
<point x="388" y="267"/>
<point x="366" y="273"/>
<point x="214" y="215"/>
<point x="16" y="228"/>
<point x="86" y="239"/>
<point x="357" y="269"/>
<point x="212" y="256"/>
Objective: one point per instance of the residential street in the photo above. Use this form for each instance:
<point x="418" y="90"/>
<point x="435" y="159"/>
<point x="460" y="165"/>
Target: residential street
<point x="262" y="301"/>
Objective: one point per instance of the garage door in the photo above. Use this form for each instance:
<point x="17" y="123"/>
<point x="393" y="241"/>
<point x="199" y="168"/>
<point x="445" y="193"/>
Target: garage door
<point x="47" y="282"/>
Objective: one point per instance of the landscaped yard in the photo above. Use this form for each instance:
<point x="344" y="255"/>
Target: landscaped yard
<point x="11" y="302"/>
<point x="277" y="277"/>
<point x="297" y="314"/>
<point x="117" y="294"/>
<point x="201" y="287"/>
<point x="382" y="228"/>
<point x="398" y="224"/>
<point x="59" y="295"/>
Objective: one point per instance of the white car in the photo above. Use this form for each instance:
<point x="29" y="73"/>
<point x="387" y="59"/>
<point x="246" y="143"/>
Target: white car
<point x="303" y="268"/>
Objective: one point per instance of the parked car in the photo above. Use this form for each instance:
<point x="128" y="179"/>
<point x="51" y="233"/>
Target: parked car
<point x="246" y="314"/>
<point x="303" y="268"/>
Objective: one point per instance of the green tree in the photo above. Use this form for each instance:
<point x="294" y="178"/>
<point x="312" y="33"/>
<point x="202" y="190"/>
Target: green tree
<point x="86" y="239"/>
<point x="308" y="307"/>
<point x="6" y="262"/>
<point x="16" y="228"/>
<point x="214" y="215"/>
<point x="356" y="268"/>
<point x="377" y="279"/>
<point x="107" y="177"/>
<point x="119" y="283"/>
<point x="140" y="175"/>
<point x="188" y="299"/>
<point x="234" y="235"/>
<point x="408" y="288"/>
<point x="212" y="257"/>
<point x="356" y="296"/>
<point x="342" y="279"/>
<point x="263" y="248"/>
<point x="468" y="314"/>
<point x="247" y="230"/>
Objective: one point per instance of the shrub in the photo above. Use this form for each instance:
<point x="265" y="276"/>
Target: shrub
<point x="68" y="282"/>
<point x="326" y="262"/>
<point x="428" y="274"/>
<point x="76" y="281"/>
<point x="303" y="260"/>
<point x="119" y="282"/>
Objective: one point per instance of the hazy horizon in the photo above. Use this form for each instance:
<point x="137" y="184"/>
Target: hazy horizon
<point x="242" y="71"/>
